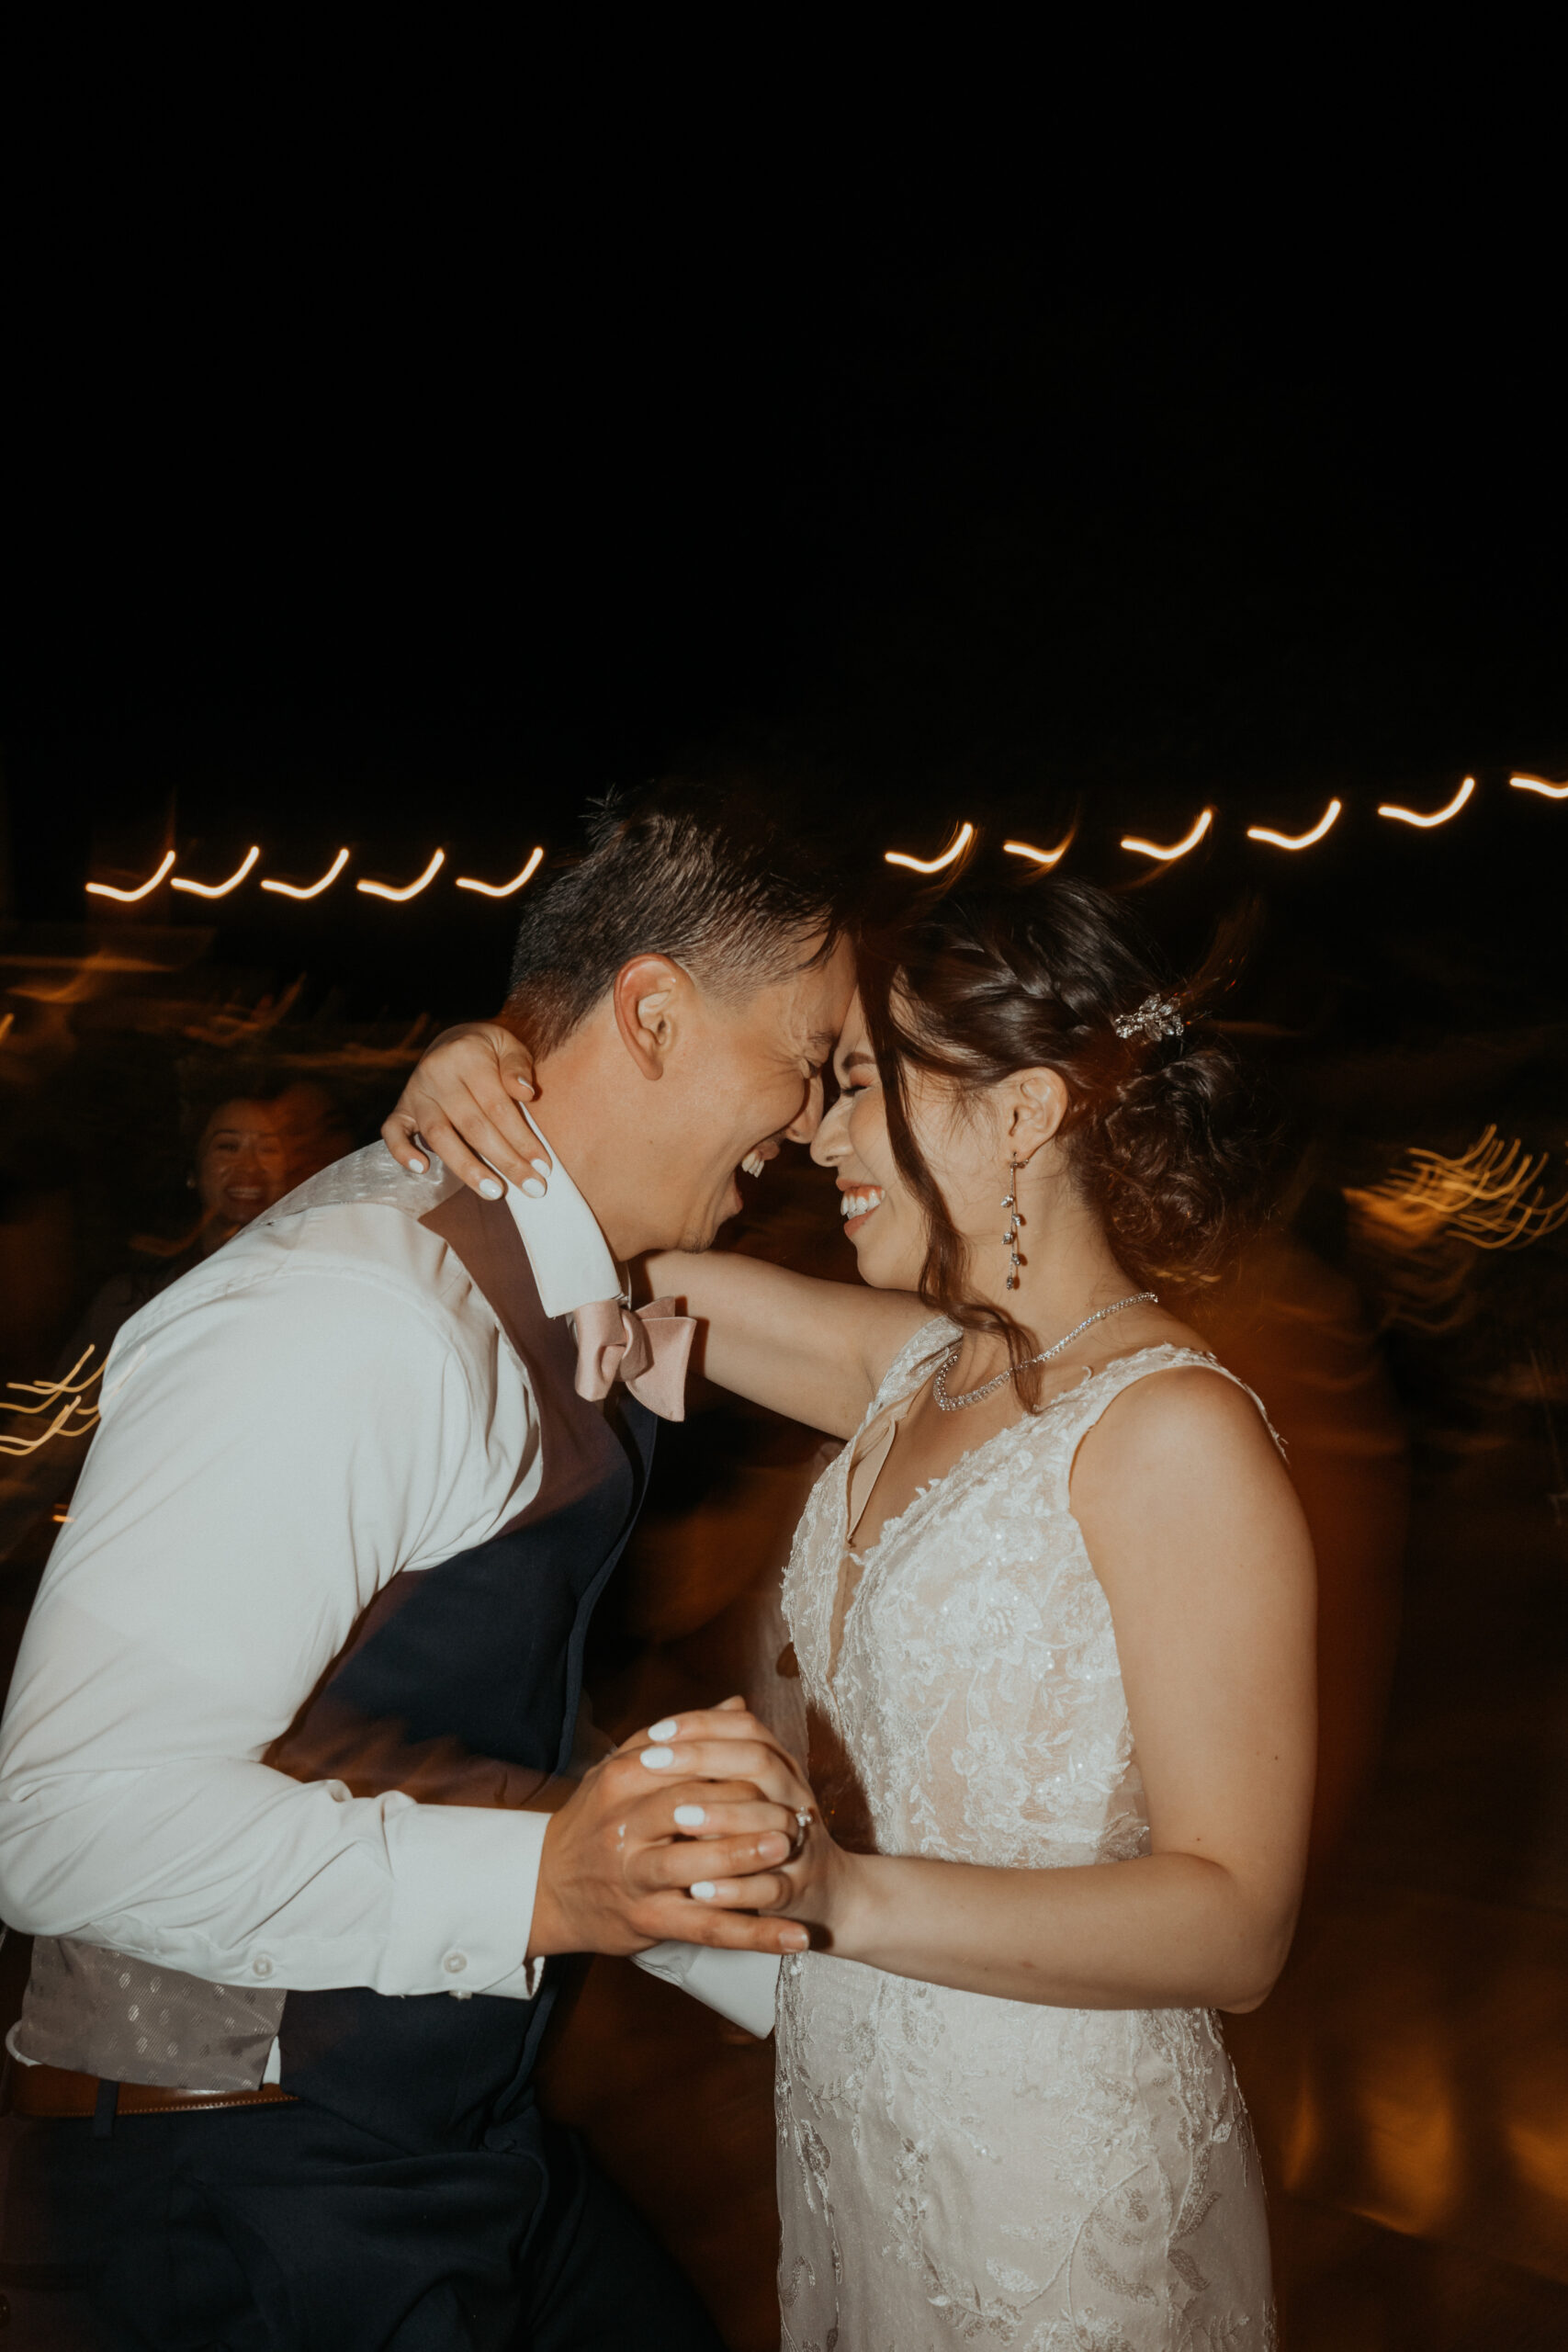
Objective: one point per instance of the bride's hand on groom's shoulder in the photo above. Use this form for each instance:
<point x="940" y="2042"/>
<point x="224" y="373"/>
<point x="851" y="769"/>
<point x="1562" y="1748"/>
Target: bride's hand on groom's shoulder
<point x="680" y="1836"/>
<point x="461" y="1103"/>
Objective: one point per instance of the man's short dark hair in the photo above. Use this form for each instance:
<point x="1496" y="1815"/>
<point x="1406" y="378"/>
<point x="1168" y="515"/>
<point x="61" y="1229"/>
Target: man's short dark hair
<point x="703" y="875"/>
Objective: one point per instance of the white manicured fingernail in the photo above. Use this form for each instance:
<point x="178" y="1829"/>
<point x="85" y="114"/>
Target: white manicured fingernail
<point x="705" y="1890"/>
<point x="665" y="1730"/>
<point x="542" y="1165"/>
<point x="533" y="1187"/>
<point x="658" y="1759"/>
<point x="489" y="1189"/>
<point x="689" y="1816"/>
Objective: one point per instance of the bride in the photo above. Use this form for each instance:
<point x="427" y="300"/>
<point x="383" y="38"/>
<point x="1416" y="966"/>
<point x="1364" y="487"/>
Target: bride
<point x="1052" y="1607"/>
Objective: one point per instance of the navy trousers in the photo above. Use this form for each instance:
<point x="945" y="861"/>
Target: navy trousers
<point x="284" y="2229"/>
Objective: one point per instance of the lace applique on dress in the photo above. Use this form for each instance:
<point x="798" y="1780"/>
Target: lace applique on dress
<point x="955" y="2169"/>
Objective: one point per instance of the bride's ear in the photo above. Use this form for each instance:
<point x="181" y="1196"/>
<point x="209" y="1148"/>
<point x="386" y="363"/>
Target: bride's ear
<point x="1038" y="1101"/>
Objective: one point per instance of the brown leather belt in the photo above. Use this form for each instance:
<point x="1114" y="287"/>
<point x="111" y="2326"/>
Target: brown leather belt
<point x="55" y="2091"/>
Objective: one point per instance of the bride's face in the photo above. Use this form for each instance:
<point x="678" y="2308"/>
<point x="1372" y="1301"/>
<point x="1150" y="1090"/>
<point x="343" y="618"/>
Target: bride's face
<point x="961" y="1144"/>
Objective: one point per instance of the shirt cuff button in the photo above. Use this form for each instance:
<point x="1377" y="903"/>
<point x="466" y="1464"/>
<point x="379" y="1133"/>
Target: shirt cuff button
<point x="261" y="1965"/>
<point x="455" y="1963"/>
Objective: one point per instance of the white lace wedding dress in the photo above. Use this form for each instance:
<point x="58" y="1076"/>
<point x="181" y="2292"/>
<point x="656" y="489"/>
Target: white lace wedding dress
<point x="956" y="2169"/>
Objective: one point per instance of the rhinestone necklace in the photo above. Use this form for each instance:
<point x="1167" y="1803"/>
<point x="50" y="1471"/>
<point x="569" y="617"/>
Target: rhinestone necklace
<point x="946" y="1404"/>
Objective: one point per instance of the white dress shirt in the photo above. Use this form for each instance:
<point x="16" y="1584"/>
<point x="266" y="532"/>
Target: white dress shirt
<point x="327" y="1402"/>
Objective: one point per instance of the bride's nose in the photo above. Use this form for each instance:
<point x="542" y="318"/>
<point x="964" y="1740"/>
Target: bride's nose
<point x="830" y="1144"/>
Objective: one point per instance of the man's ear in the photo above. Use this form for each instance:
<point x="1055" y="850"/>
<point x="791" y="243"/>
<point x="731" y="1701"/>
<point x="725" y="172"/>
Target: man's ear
<point x="648" y="1000"/>
<point x="1038" y="1105"/>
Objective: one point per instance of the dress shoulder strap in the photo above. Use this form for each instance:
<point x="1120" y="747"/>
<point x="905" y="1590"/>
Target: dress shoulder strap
<point x="911" y="1359"/>
<point x="1083" y="1406"/>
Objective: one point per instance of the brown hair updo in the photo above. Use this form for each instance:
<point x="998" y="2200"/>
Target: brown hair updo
<point x="1163" y="1134"/>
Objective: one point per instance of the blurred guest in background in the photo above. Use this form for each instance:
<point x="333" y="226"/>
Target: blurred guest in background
<point x="255" y="1134"/>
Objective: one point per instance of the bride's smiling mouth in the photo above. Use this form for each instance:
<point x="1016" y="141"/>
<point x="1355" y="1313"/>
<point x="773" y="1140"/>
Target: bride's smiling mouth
<point x="858" y="1203"/>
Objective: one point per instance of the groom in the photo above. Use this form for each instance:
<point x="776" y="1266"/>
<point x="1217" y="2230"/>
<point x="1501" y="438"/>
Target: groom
<point x="282" y="1777"/>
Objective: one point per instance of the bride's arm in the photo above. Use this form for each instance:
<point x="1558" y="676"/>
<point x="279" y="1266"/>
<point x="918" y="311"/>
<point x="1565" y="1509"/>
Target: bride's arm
<point x="814" y="1350"/>
<point x="1199" y="1544"/>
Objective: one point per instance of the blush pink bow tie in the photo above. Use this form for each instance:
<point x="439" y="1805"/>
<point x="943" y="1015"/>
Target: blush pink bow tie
<point x="648" y="1350"/>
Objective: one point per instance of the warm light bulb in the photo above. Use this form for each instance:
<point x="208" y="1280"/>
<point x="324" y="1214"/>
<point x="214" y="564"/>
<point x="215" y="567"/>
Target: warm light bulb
<point x="932" y="864"/>
<point x="503" y="889"/>
<point x="1176" y="849"/>
<point x="1297" y="841"/>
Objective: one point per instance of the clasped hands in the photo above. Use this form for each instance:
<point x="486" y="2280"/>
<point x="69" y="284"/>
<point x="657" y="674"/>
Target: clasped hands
<point x="700" y="1830"/>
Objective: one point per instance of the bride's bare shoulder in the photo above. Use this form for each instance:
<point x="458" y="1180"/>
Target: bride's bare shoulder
<point x="1185" y="1418"/>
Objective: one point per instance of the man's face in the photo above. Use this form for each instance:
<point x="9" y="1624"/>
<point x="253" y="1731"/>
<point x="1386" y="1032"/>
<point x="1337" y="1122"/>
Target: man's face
<point x="747" y="1077"/>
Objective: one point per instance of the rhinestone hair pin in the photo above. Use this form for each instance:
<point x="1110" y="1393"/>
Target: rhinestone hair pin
<point x="1156" y="1017"/>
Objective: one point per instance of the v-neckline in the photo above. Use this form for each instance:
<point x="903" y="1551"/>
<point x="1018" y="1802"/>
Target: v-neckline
<point x="846" y="1593"/>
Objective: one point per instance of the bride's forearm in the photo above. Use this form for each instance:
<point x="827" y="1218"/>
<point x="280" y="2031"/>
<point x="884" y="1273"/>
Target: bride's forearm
<point x="813" y="1350"/>
<point x="1165" y="1931"/>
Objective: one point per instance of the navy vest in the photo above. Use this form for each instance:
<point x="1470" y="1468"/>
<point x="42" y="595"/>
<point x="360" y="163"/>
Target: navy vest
<point x="461" y="1686"/>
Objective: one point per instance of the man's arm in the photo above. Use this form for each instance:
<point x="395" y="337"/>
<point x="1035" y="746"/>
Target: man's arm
<point x="274" y="1450"/>
<point x="281" y="1449"/>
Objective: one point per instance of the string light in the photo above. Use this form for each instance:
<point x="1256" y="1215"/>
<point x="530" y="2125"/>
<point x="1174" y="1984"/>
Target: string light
<point x="1297" y="841"/>
<point x="127" y="898"/>
<point x="219" y="890"/>
<point x="503" y="889"/>
<point x="1176" y="849"/>
<point x="1438" y="816"/>
<point x="411" y="890"/>
<point x="932" y="864"/>
<point x="1044" y="857"/>
<point x="313" y="889"/>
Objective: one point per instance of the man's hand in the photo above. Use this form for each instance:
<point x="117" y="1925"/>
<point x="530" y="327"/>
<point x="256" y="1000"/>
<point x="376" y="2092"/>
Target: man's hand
<point x="687" y="1819"/>
<point x="461" y="1103"/>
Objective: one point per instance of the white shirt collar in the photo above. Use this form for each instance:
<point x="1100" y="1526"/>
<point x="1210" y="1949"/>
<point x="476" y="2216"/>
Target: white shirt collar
<point x="568" y="1254"/>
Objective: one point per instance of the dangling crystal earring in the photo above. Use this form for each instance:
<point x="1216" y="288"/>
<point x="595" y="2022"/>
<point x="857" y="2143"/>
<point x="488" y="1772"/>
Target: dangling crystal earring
<point x="1010" y="1238"/>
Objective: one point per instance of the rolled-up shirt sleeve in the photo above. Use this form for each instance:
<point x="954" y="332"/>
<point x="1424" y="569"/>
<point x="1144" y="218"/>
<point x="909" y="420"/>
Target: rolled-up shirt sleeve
<point x="272" y="1452"/>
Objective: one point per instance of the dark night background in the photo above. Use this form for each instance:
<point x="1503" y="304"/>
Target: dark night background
<point x="413" y="505"/>
<point x="402" y="470"/>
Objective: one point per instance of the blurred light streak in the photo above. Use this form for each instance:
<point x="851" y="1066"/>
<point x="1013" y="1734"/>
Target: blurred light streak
<point x="49" y="1394"/>
<point x="932" y="864"/>
<point x="313" y="889"/>
<point x="1297" y="841"/>
<point x="107" y="891"/>
<point x="1438" y="816"/>
<point x="219" y="890"/>
<point x="1490" y="1196"/>
<point x="1538" y="784"/>
<point x="411" y="890"/>
<point x="1176" y="849"/>
<point x="1046" y="857"/>
<point x="1411" y="2141"/>
<point x="1540" y="2155"/>
<point x="503" y="889"/>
